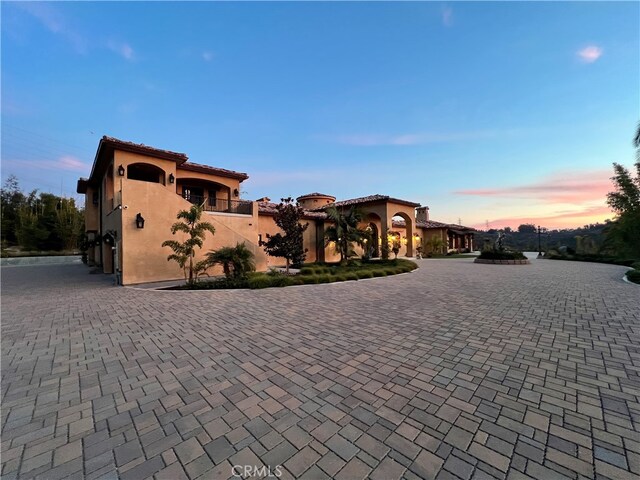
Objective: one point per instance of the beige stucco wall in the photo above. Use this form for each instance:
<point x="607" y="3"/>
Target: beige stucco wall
<point x="145" y="260"/>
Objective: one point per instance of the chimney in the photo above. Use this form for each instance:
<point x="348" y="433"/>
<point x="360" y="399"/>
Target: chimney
<point x="422" y="214"/>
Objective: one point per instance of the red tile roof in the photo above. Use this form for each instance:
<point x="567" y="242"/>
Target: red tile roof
<point x="269" y="208"/>
<point x="315" y="194"/>
<point x="222" y="172"/>
<point x="143" y="149"/>
<point x="368" y="199"/>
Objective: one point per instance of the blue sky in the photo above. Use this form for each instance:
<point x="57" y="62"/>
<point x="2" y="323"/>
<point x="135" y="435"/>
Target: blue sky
<point x="506" y="112"/>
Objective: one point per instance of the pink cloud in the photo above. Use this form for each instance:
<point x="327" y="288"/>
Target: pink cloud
<point x="562" y="187"/>
<point x="590" y="53"/>
<point x="560" y="219"/>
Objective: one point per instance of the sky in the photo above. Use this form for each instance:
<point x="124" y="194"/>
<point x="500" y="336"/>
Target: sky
<point x="492" y="114"/>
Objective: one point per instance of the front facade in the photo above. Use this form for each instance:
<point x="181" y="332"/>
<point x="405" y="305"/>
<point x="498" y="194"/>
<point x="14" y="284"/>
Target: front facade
<point x="135" y="191"/>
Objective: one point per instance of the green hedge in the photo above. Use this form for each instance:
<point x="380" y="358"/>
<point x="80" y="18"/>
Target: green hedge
<point x="311" y="274"/>
<point x="502" y="255"/>
<point x="633" y="276"/>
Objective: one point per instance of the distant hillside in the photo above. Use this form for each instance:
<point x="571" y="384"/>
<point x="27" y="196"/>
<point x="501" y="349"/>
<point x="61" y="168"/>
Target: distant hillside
<point x="526" y="237"/>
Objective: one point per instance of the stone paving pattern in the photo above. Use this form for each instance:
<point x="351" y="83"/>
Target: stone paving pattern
<point x="456" y="370"/>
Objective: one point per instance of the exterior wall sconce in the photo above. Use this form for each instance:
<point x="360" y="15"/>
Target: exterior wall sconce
<point x="171" y="178"/>
<point x="139" y="221"/>
<point x="235" y="192"/>
<point x="121" y="171"/>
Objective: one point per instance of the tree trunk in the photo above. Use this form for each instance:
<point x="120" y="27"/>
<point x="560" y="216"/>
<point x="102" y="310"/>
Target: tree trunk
<point x="191" y="270"/>
<point x="287" y="266"/>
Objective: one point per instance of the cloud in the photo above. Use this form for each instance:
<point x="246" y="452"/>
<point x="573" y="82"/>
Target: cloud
<point x="558" y="219"/>
<point x="55" y="22"/>
<point x="67" y="163"/>
<point x="123" y="49"/>
<point x="590" y="53"/>
<point x="560" y="187"/>
<point x="374" y="140"/>
<point x="447" y="16"/>
<point x="207" y="56"/>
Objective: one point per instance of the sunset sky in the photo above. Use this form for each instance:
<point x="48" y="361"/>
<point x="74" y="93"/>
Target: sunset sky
<point x="504" y="113"/>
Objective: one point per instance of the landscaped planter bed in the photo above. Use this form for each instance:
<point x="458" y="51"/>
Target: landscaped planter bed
<point x="309" y="274"/>
<point x="502" y="262"/>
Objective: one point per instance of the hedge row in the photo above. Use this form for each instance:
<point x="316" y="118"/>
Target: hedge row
<point x="311" y="275"/>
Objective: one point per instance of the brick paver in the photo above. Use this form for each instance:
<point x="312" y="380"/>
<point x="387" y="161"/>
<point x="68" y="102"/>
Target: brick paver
<point x="456" y="370"/>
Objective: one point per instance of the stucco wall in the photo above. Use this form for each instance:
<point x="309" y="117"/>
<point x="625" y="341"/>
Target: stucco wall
<point x="145" y="260"/>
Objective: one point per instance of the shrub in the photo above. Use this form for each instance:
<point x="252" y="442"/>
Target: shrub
<point x="365" y="274"/>
<point x="307" y="270"/>
<point x="379" y="273"/>
<point x="351" y="276"/>
<point x="324" y="278"/>
<point x="636" y="265"/>
<point x="340" y="277"/>
<point x="391" y="271"/>
<point x="502" y="255"/>
<point x="259" y="282"/>
<point x="634" y="276"/>
<point x="310" y="280"/>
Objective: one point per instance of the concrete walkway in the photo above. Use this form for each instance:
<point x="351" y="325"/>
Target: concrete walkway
<point x="457" y="370"/>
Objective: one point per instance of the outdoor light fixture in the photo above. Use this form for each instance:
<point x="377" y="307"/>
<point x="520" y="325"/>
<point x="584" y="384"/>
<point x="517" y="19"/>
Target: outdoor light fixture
<point x="171" y="178"/>
<point x="235" y="192"/>
<point x="121" y="171"/>
<point x="139" y="221"/>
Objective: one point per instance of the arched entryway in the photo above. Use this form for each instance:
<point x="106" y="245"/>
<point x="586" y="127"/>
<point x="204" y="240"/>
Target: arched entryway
<point x="373" y="243"/>
<point x="406" y="238"/>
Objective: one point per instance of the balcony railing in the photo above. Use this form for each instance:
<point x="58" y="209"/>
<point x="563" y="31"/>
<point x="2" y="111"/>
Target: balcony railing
<point x="222" y="205"/>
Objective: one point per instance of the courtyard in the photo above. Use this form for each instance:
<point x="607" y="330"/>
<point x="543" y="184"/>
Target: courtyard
<point x="455" y="370"/>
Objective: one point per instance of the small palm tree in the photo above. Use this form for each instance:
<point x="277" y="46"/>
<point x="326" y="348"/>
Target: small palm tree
<point x="184" y="252"/>
<point x="345" y="232"/>
<point x="236" y="261"/>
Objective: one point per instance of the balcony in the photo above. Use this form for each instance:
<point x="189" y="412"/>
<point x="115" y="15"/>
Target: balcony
<point x="221" y="205"/>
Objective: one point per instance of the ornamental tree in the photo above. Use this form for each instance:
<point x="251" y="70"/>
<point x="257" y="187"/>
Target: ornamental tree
<point x="184" y="252"/>
<point x="289" y="244"/>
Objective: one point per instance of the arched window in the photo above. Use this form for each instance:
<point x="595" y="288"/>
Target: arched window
<point x="145" y="172"/>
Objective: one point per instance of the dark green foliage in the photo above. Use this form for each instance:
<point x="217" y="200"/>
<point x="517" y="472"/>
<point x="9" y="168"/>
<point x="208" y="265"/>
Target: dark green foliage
<point x="623" y="235"/>
<point x="184" y="252"/>
<point x="344" y="232"/>
<point x="502" y="255"/>
<point x="260" y="282"/>
<point x="527" y="228"/>
<point x="633" y="276"/>
<point x="290" y="244"/>
<point x="313" y="274"/>
<point x="39" y="222"/>
<point x="236" y="261"/>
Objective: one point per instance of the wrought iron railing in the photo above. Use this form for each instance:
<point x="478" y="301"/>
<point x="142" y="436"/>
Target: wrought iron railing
<point x="223" y="205"/>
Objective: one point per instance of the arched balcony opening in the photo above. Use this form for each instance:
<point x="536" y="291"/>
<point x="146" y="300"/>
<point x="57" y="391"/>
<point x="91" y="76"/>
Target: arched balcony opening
<point x="146" y="172"/>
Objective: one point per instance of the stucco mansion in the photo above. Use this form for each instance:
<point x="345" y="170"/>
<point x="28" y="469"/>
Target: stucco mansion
<point x="134" y="193"/>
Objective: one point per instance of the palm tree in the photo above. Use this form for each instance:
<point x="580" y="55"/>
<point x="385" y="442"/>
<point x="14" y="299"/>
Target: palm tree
<point x="185" y="251"/>
<point x="236" y="261"/>
<point x="345" y="232"/>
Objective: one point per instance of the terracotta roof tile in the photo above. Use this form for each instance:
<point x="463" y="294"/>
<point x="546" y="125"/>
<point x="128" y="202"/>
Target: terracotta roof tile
<point x="223" y="172"/>
<point x="269" y="208"/>
<point x="368" y="199"/>
<point x="142" y="148"/>
<point x="315" y="194"/>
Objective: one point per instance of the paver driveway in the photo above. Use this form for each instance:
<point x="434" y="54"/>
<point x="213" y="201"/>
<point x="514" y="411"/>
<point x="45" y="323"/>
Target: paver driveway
<point x="455" y="370"/>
